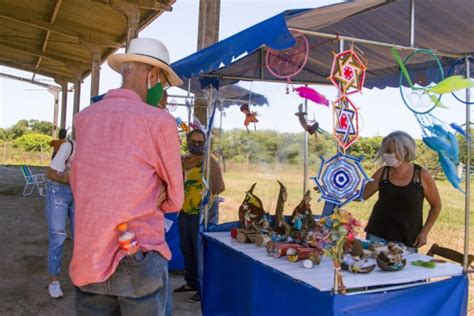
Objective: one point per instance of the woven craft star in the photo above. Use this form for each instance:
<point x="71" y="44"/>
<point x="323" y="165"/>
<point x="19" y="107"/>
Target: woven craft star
<point x="348" y="72"/>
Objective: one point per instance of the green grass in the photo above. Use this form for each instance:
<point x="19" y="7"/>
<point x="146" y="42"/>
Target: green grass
<point x="448" y="230"/>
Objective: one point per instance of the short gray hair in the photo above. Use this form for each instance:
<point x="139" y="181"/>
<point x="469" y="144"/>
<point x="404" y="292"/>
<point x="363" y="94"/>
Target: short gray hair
<point x="405" y="146"/>
<point x="132" y="66"/>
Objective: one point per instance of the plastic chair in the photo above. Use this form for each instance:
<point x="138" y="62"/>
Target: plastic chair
<point x="450" y="254"/>
<point x="32" y="181"/>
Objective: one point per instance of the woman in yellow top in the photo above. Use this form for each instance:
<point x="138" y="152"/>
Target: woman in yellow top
<point x="188" y="219"/>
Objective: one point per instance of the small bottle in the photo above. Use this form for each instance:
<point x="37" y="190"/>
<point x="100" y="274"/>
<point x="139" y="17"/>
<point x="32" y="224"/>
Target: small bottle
<point x="127" y="241"/>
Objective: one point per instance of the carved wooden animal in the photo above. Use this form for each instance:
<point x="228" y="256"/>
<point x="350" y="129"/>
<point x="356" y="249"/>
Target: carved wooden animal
<point x="281" y="226"/>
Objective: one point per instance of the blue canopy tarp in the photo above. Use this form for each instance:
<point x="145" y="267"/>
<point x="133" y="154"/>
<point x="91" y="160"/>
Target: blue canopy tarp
<point x="439" y="25"/>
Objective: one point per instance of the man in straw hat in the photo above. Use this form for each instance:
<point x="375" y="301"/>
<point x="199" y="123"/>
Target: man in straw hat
<point x="126" y="175"/>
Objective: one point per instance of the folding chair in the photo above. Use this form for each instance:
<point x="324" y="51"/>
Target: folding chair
<point x="450" y="254"/>
<point x="32" y="181"/>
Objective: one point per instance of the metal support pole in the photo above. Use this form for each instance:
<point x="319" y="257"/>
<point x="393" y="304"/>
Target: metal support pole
<point x="55" y="112"/>
<point x="412" y="23"/>
<point x="63" y="104"/>
<point x="208" y="156"/>
<point x="305" y="153"/>
<point x="468" y="169"/>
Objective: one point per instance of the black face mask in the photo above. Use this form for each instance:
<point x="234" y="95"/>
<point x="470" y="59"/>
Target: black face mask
<point x="196" y="148"/>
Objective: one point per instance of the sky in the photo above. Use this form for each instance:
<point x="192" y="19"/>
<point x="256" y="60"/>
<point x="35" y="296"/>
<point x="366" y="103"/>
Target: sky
<point x="381" y="111"/>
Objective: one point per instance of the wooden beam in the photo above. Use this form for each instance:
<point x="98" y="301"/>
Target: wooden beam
<point x="154" y="5"/>
<point x="54" y="75"/>
<point x="48" y="33"/>
<point x="37" y="53"/>
<point x="38" y="83"/>
<point x="63" y="31"/>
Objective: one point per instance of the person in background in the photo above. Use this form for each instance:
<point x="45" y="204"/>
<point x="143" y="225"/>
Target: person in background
<point x="56" y="143"/>
<point x="403" y="186"/>
<point x="188" y="219"/>
<point x="123" y="183"/>
<point x="59" y="207"/>
<point x="164" y="101"/>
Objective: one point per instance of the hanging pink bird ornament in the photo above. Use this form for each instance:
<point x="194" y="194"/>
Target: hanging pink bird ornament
<point x="313" y="95"/>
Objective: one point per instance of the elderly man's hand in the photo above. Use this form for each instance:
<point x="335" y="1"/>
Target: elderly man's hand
<point x="162" y="196"/>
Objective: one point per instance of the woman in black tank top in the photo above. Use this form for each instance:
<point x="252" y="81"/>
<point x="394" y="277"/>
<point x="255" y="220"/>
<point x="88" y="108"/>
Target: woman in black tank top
<point x="402" y="185"/>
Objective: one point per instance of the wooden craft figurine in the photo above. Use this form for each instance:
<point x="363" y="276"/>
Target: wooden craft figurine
<point x="281" y="227"/>
<point x="392" y="260"/>
<point x="311" y="127"/>
<point x="302" y="218"/>
<point x="251" y="218"/>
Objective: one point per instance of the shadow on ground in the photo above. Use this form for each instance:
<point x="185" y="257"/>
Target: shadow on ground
<point x="23" y="277"/>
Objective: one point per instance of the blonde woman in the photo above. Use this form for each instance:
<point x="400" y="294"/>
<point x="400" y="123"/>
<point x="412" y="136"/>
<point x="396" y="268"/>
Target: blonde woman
<point x="403" y="186"/>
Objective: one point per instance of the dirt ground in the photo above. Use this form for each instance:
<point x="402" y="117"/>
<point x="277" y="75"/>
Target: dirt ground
<point x="24" y="246"/>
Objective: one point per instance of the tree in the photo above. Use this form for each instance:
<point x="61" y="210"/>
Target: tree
<point x="17" y="130"/>
<point x="32" y="142"/>
<point x="41" y="127"/>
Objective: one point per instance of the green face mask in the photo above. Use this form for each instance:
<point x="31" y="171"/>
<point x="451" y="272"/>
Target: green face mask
<point x="154" y="94"/>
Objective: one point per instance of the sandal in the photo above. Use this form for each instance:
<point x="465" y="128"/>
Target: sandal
<point x="185" y="288"/>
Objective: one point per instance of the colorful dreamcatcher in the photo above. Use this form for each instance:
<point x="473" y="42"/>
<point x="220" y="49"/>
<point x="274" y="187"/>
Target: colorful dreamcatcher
<point x="421" y="95"/>
<point x="418" y="87"/>
<point x="459" y="68"/>
<point x="348" y="72"/>
<point x="346" y="122"/>
<point x="341" y="179"/>
<point x="287" y="63"/>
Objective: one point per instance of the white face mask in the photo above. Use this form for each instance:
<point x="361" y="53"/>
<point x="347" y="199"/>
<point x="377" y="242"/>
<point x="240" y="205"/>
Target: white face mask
<point x="391" y="160"/>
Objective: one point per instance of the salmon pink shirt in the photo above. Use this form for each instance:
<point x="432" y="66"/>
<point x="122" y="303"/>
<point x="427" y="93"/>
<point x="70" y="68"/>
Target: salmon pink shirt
<point x="126" y="153"/>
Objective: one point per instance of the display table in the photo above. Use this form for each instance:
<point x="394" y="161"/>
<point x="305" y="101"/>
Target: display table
<point x="241" y="279"/>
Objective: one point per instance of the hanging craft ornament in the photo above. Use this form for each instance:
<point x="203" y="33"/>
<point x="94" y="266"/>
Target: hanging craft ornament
<point x="348" y="72"/>
<point x="459" y="68"/>
<point x="250" y="117"/>
<point x="418" y="87"/>
<point x="341" y="179"/>
<point x="437" y="137"/>
<point x="287" y="63"/>
<point x="346" y="122"/>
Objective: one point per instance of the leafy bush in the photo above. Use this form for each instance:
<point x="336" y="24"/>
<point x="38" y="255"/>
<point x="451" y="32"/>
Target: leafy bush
<point x="32" y="142"/>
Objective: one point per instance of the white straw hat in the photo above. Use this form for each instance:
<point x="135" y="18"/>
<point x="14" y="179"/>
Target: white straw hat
<point x="148" y="51"/>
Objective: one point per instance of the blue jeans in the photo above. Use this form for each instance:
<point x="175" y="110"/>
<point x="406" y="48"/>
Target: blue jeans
<point x="139" y="286"/>
<point x="188" y="242"/>
<point x="59" y="206"/>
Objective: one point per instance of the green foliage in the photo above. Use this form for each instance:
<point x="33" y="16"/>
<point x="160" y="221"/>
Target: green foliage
<point x="23" y="127"/>
<point x="32" y="142"/>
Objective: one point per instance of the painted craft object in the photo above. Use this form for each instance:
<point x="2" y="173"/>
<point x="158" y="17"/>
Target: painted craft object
<point x="313" y="259"/>
<point x="302" y="220"/>
<point x="348" y="72"/>
<point x="341" y="179"/>
<point x="277" y="250"/>
<point x="346" y="122"/>
<point x="303" y="253"/>
<point x="250" y="116"/>
<point x="251" y="210"/>
<point x="310" y="126"/>
<point x="390" y="262"/>
<point x="281" y="227"/>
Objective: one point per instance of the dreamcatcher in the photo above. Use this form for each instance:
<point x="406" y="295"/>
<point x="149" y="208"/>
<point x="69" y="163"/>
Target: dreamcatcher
<point x="341" y="179"/>
<point x="421" y="95"/>
<point x="459" y="68"/>
<point x="287" y="63"/>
